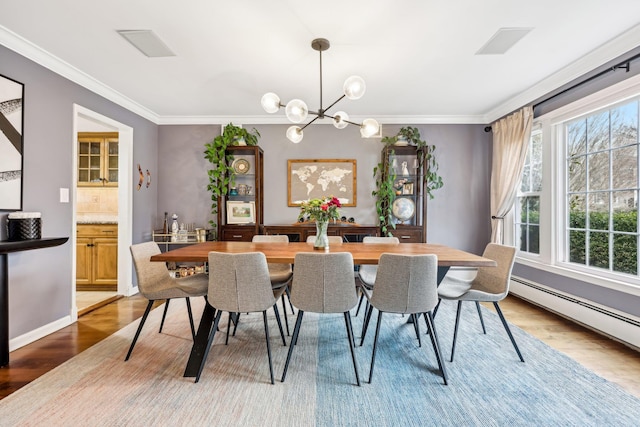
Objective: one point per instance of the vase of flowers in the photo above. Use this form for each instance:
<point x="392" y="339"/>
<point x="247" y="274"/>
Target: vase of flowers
<point x="321" y="211"/>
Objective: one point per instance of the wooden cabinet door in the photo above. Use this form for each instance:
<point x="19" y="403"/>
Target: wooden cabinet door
<point x="105" y="261"/>
<point x="83" y="260"/>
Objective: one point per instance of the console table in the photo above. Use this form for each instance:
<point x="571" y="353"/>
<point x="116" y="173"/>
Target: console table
<point x="7" y="247"/>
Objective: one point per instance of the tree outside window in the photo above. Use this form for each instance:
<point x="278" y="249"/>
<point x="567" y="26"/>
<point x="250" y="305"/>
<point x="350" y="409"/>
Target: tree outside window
<point x="527" y="221"/>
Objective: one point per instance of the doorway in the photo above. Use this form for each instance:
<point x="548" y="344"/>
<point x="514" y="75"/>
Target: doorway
<point x="118" y="220"/>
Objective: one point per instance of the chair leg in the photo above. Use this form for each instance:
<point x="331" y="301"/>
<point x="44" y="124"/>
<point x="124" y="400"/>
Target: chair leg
<point x="284" y="310"/>
<point x="226" y="340"/>
<point x="428" y="318"/>
<point x="506" y="328"/>
<point x="209" y="342"/>
<point x="235" y="323"/>
<point x="193" y="329"/>
<point x="484" y="331"/>
<point x="435" y="310"/>
<point x="365" y="324"/>
<point x="294" y="339"/>
<point x="135" y="338"/>
<point x="416" y="326"/>
<point x="455" y="331"/>
<point x="375" y="345"/>
<point x="347" y="323"/>
<point x="277" y="313"/>
<point x="266" y="334"/>
<point x="359" y="304"/>
<point x="164" y="313"/>
<point x="286" y="291"/>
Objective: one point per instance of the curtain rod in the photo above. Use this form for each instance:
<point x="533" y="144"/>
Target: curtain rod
<point x="626" y="65"/>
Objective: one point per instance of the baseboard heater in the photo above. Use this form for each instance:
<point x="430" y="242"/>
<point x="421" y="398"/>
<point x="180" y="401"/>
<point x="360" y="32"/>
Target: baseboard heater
<point x="612" y="324"/>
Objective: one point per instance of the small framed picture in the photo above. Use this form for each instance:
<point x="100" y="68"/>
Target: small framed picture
<point x="407" y="188"/>
<point x="241" y="212"/>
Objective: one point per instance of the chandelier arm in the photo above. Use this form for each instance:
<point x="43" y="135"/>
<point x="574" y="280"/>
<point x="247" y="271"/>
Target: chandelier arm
<point x="314" y="119"/>
<point x="335" y="102"/>
<point x="346" y="121"/>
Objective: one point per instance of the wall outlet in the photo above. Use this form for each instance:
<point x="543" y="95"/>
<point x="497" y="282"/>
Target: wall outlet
<point x="64" y="195"/>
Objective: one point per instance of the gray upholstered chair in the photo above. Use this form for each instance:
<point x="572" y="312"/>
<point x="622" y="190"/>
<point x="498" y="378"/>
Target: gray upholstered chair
<point x="323" y="283"/>
<point x="333" y="240"/>
<point x="240" y="283"/>
<point x="491" y="284"/>
<point x="406" y="284"/>
<point x="154" y="283"/>
<point x="367" y="272"/>
<point x="280" y="274"/>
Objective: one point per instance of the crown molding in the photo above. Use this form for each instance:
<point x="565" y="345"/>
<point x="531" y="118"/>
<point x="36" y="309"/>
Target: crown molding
<point x="24" y="47"/>
<point x="282" y="120"/>
<point x="609" y="51"/>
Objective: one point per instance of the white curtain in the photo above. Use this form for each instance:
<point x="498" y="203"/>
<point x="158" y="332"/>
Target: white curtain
<point x="510" y="141"/>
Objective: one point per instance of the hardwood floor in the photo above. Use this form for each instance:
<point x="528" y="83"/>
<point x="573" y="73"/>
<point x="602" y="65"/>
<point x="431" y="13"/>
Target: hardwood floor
<point x="608" y="358"/>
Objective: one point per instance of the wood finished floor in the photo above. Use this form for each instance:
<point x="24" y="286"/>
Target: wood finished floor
<point x="608" y="358"/>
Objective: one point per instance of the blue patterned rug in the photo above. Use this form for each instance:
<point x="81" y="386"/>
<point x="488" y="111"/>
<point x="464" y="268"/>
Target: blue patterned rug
<point x="488" y="385"/>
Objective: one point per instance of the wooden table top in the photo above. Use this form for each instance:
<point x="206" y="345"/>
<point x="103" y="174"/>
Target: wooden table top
<point x="363" y="253"/>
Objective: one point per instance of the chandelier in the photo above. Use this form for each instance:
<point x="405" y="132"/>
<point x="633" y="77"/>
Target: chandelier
<point x="296" y="110"/>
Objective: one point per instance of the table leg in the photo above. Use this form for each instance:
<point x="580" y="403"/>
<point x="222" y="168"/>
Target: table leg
<point x="4" y="310"/>
<point x="200" y="342"/>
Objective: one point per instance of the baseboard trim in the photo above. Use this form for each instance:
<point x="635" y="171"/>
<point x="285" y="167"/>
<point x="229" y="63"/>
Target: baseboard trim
<point x="36" y="334"/>
<point x="619" y="326"/>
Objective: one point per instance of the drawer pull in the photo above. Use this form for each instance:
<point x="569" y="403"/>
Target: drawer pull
<point x="237" y="236"/>
<point x="405" y="237"/>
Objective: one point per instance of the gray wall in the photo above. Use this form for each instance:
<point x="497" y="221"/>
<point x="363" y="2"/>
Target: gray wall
<point x="40" y="283"/>
<point x="457" y="216"/>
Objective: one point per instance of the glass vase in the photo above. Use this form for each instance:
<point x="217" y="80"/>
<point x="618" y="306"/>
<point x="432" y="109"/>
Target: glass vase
<point x="322" y="240"/>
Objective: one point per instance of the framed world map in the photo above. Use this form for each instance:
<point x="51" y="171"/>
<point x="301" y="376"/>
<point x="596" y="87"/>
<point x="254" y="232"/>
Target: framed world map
<point x="317" y="178"/>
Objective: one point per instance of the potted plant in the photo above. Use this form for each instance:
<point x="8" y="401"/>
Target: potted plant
<point x="222" y="175"/>
<point x="385" y="178"/>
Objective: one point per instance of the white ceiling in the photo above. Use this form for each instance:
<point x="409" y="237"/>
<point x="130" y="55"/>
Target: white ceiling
<point x="417" y="56"/>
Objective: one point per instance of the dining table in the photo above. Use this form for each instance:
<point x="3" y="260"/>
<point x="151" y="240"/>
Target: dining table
<point x="283" y="252"/>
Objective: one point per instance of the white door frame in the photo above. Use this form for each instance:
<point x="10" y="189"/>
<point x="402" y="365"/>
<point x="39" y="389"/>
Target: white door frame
<point x="125" y="201"/>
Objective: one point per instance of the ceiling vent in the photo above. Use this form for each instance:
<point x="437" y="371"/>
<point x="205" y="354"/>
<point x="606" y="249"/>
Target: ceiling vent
<point x="147" y="42"/>
<point x="503" y="40"/>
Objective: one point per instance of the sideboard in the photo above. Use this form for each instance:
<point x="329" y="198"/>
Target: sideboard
<point x="300" y="232"/>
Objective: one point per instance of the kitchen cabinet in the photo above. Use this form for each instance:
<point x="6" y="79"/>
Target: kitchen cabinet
<point x="98" y="159"/>
<point x="97" y="257"/>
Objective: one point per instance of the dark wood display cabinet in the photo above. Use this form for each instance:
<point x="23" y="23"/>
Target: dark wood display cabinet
<point x="410" y="201"/>
<point x="240" y="212"/>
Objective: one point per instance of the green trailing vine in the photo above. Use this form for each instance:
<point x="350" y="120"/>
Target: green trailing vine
<point x="222" y="175"/>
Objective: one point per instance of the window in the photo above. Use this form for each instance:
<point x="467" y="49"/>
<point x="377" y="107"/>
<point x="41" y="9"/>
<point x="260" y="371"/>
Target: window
<point x="527" y="217"/>
<point x="601" y="167"/>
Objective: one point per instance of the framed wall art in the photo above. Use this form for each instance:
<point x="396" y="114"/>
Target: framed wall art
<point x="241" y="212"/>
<point x="311" y="179"/>
<point x="11" y="145"/>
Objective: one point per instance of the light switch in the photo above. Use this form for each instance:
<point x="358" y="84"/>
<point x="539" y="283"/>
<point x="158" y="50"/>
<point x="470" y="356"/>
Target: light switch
<point x="64" y="195"/>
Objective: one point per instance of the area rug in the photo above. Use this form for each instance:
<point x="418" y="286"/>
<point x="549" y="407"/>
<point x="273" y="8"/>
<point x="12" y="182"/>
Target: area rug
<point x="488" y="385"/>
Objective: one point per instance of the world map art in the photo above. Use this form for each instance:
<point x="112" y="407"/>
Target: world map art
<point x="310" y="179"/>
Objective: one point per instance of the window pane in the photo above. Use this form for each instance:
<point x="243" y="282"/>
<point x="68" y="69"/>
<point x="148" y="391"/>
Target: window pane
<point x="536" y="177"/>
<point x="598" y="132"/>
<point x="533" y="207"/>
<point x="624" y="125"/>
<point x="577" y="174"/>
<point x="577" y="211"/>
<point x="625" y="253"/>
<point x="524" y="244"/>
<point x="525" y="185"/>
<point x="577" y="246"/>
<point x="534" y="239"/>
<point x="599" y="250"/>
<point x="598" y="171"/>
<point x="625" y="213"/>
<point x="625" y="167"/>
<point x="577" y="138"/>
<point x="599" y="211"/>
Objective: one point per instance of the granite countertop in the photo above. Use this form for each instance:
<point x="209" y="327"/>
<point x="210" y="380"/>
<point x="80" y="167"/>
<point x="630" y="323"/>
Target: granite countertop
<point x="96" y="219"/>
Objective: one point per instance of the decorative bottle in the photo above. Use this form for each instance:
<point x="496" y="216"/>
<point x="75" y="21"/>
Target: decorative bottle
<point x="174" y="228"/>
<point x="165" y="227"/>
